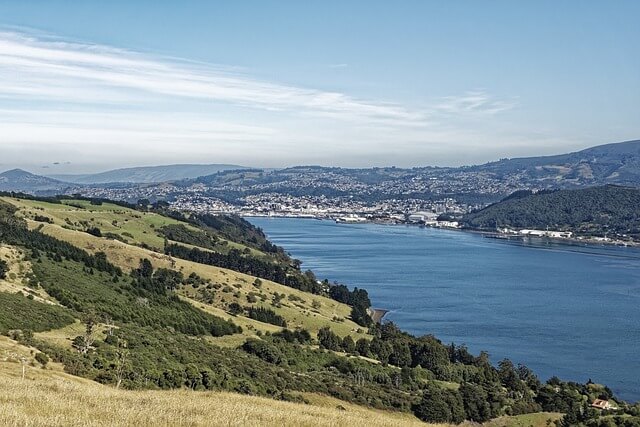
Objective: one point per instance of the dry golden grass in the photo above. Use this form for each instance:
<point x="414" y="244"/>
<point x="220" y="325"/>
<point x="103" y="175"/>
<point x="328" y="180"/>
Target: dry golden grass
<point x="63" y="337"/>
<point x="52" y="398"/>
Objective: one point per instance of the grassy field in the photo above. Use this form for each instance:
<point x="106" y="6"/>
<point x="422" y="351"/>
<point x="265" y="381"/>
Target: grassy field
<point x="300" y="309"/>
<point x="49" y="397"/>
<point x="131" y="225"/>
<point x="141" y="228"/>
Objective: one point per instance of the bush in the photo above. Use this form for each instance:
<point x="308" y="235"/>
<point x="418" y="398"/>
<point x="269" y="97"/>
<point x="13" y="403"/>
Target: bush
<point x="3" y="269"/>
<point x="42" y="218"/>
<point x="42" y="359"/>
<point x="439" y="406"/>
<point x="265" y="351"/>
<point x="266" y="316"/>
<point x="94" y="231"/>
<point x="235" y="309"/>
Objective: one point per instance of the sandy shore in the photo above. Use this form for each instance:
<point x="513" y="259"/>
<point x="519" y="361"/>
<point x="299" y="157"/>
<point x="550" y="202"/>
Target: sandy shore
<point x="377" y="314"/>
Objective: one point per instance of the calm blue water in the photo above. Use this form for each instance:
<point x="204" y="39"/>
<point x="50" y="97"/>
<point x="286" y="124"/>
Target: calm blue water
<point x="562" y="310"/>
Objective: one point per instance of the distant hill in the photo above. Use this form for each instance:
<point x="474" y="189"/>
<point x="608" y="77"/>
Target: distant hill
<point x="148" y="174"/>
<point x="617" y="163"/>
<point x="23" y="181"/>
<point x="591" y="211"/>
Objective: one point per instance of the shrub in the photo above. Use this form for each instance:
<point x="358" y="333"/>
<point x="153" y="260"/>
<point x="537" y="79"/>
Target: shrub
<point x="235" y="309"/>
<point x="94" y="231"/>
<point x="264" y="350"/>
<point x="42" y="359"/>
<point x="3" y="269"/>
<point x="267" y="316"/>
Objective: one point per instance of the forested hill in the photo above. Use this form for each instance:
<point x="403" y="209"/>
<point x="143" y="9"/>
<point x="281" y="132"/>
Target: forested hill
<point x="591" y="212"/>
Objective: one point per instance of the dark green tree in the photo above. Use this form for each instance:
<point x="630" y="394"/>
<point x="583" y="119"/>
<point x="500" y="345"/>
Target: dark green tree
<point x="4" y="268"/>
<point x="474" y="399"/>
<point x="439" y="405"/>
<point x="362" y="347"/>
<point x="329" y="340"/>
<point x="348" y="345"/>
<point x="235" y="309"/>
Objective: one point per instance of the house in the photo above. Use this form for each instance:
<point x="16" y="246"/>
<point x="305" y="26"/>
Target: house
<point x="602" y="404"/>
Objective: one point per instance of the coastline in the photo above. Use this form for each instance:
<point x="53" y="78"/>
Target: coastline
<point x="377" y="314"/>
<point x="286" y="230"/>
<point x="485" y="233"/>
<point x="573" y="241"/>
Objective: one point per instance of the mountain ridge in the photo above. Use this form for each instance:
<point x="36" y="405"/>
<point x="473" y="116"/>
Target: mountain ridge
<point x="615" y="163"/>
<point x="21" y="180"/>
<point x="148" y="174"/>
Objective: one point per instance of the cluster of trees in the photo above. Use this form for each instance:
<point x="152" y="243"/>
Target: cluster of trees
<point x="254" y="266"/>
<point x="331" y="341"/>
<point x="238" y="230"/>
<point x="143" y="299"/>
<point x="160" y="281"/>
<point x="358" y="299"/>
<point x="234" y="260"/>
<point x="440" y="405"/>
<point x="180" y="233"/>
<point x="298" y="336"/>
<point x="266" y="315"/>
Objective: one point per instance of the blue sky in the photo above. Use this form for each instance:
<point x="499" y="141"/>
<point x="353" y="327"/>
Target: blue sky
<point x="92" y="85"/>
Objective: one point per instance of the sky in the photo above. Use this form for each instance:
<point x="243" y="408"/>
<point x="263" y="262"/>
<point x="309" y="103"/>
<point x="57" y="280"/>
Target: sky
<point x="87" y="86"/>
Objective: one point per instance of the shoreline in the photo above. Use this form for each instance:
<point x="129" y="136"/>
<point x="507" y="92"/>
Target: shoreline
<point x="377" y="314"/>
<point x="485" y="233"/>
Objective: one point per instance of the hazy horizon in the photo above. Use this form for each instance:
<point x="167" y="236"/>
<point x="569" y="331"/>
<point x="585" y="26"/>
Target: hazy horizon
<point x="332" y="84"/>
<point x="81" y="170"/>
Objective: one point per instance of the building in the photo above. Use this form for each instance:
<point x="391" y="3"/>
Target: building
<point x="603" y="404"/>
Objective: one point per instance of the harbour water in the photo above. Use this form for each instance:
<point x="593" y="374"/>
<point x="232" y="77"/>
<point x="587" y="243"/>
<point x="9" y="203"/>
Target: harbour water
<point x="565" y="310"/>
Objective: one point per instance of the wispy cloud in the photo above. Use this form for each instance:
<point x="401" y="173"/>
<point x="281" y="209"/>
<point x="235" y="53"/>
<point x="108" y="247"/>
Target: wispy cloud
<point x="54" y="69"/>
<point x="79" y="98"/>
<point x="478" y="101"/>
